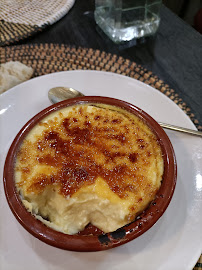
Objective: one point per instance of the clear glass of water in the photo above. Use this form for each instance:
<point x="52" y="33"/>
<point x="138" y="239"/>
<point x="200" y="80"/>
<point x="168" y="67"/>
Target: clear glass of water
<point x="124" y="20"/>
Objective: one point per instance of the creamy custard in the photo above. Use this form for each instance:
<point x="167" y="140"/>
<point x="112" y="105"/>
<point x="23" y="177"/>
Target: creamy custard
<point x="89" y="163"/>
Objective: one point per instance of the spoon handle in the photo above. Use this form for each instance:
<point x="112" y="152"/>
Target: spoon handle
<point x="58" y="94"/>
<point x="181" y="129"/>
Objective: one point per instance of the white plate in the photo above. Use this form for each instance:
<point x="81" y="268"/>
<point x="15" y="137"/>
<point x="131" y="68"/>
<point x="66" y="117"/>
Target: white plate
<point x="174" y="242"/>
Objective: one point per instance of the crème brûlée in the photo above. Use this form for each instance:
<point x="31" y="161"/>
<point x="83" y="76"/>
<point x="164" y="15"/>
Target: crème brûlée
<point x="88" y="163"/>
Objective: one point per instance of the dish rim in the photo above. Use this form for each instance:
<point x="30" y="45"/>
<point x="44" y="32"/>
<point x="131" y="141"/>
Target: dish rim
<point x="109" y="240"/>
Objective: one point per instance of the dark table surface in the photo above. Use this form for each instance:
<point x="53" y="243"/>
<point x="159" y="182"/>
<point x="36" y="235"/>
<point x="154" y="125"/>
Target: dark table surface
<point x="174" y="54"/>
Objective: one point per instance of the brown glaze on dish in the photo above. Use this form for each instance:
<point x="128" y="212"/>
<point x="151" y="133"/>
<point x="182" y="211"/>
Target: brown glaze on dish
<point x="83" y="136"/>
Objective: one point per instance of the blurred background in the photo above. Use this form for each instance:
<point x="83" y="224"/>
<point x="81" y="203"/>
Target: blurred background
<point x="189" y="10"/>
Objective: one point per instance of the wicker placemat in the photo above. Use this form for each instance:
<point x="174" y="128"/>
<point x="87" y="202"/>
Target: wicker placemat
<point x="49" y="58"/>
<point x="20" y="19"/>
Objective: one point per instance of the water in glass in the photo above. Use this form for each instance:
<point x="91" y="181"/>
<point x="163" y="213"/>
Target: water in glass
<point x="124" y="20"/>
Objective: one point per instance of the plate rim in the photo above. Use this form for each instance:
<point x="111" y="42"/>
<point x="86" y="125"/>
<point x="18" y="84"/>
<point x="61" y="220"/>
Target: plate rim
<point x="98" y="72"/>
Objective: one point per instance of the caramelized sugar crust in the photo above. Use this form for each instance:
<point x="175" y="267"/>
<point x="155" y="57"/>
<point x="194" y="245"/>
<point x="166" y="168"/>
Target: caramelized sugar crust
<point x="70" y="149"/>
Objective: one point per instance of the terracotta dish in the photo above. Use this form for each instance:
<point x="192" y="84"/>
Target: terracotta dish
<point x="92" y="239"/>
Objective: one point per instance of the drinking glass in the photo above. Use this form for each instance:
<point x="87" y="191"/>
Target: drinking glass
<point x="124" y="20"/>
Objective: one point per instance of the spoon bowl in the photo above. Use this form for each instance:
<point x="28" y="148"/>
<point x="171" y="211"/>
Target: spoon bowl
<point x="58" y="94"/>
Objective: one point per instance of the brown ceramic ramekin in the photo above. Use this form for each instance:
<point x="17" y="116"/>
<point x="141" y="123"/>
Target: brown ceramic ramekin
<point x="91" y="239"/>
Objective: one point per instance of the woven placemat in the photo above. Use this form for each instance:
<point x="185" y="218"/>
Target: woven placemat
<point x="49" y="58"/>
<point x="20" y="19"/>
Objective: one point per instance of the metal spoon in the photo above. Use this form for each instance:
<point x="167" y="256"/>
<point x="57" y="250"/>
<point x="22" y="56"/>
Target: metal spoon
<point x="58" y="94"/>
